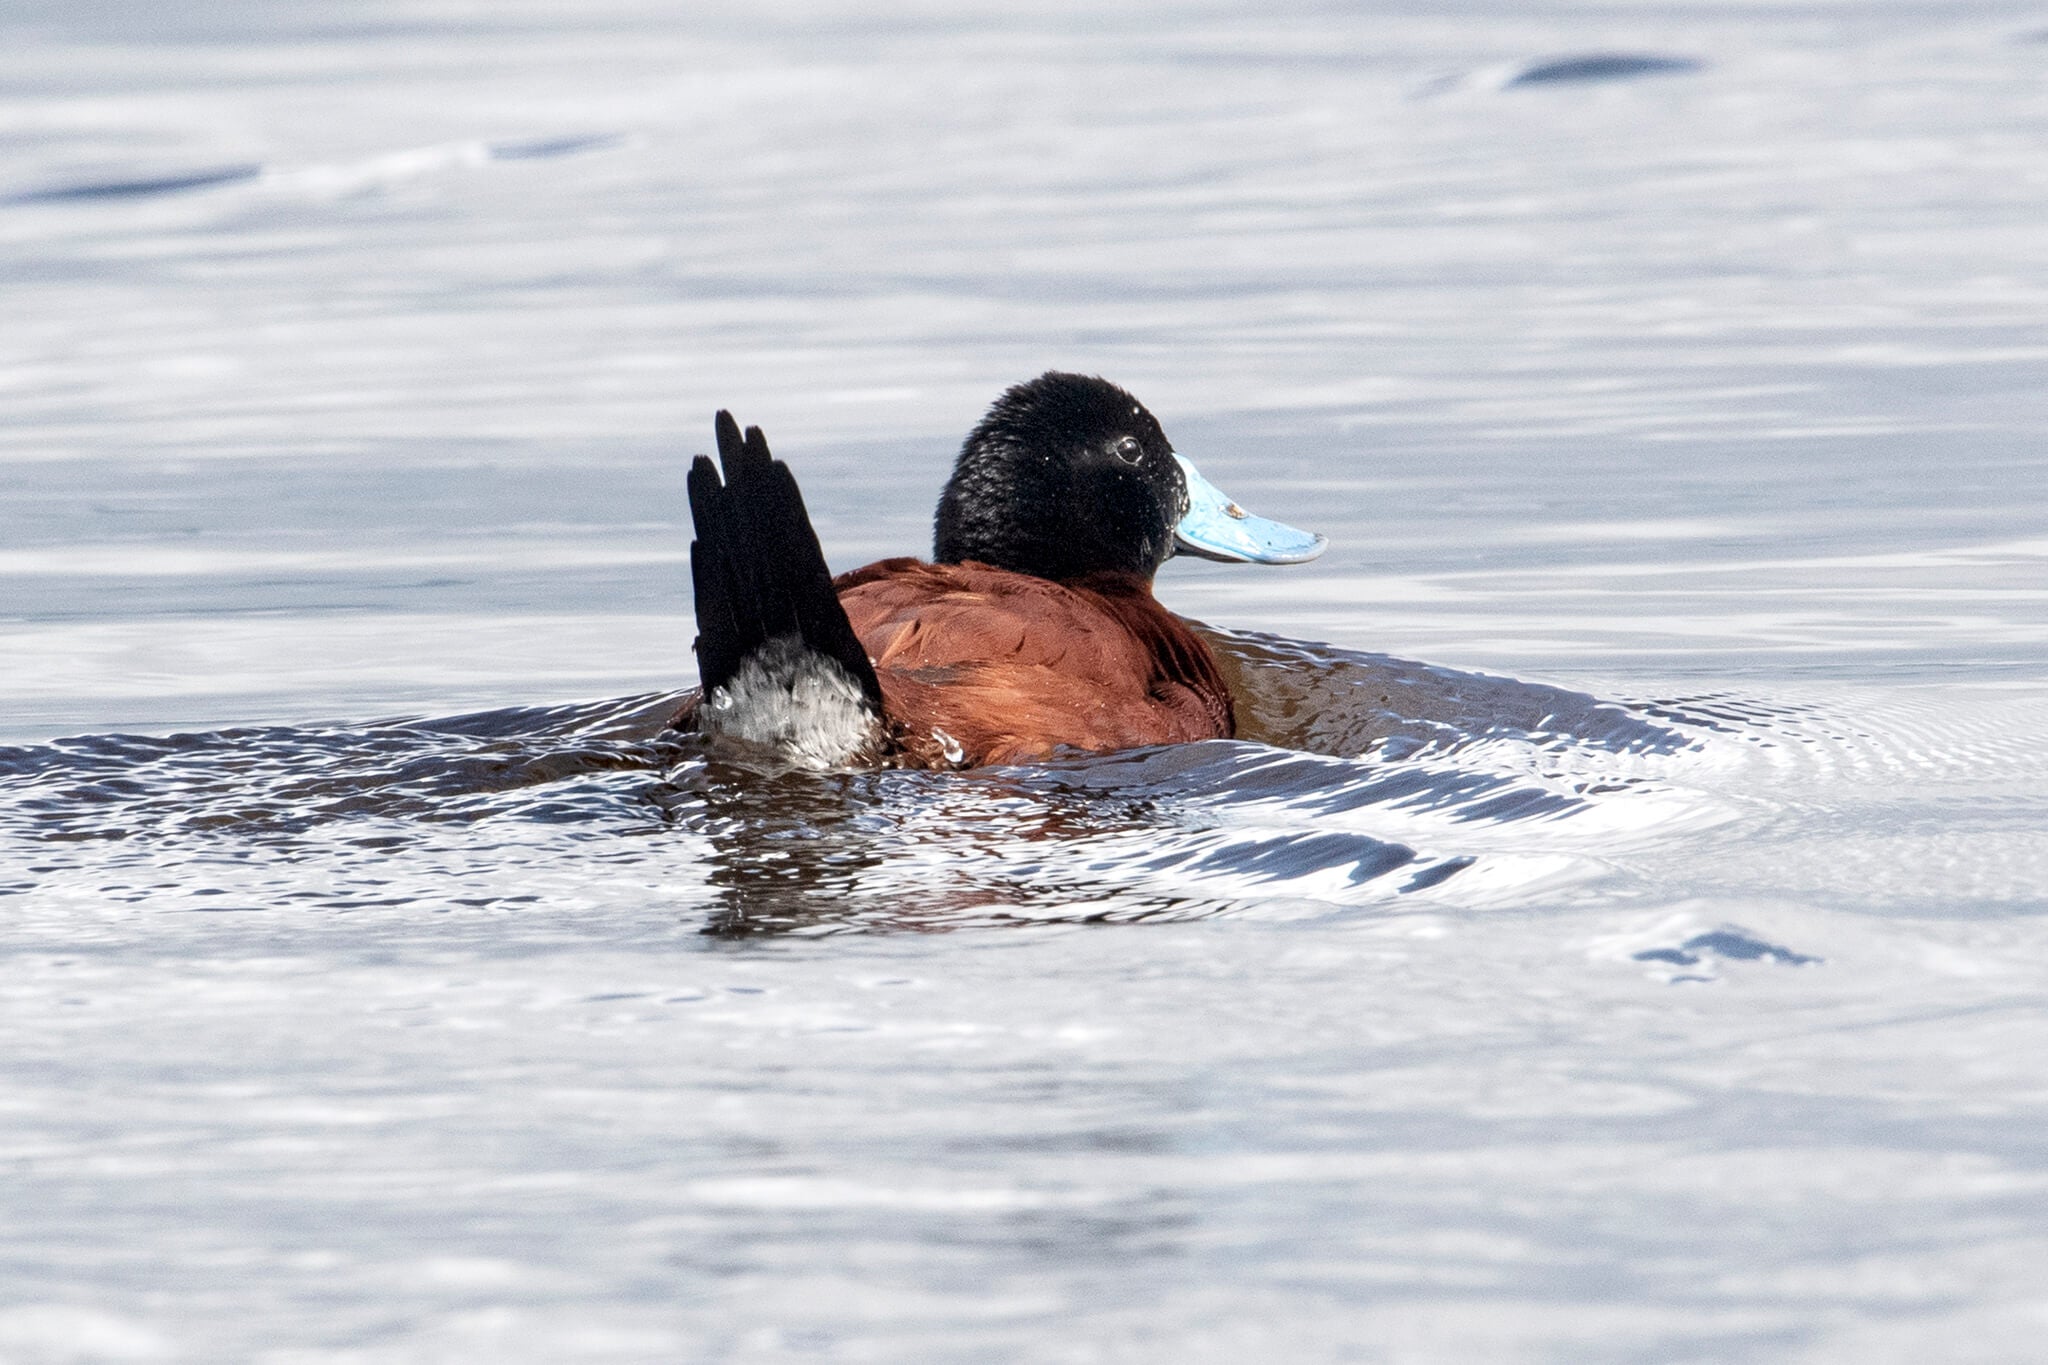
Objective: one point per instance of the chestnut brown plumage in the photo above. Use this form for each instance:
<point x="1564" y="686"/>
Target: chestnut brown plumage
<point x="1010" y="667"/>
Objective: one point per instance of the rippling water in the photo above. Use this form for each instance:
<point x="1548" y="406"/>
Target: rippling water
<point x="1615" y="935"/>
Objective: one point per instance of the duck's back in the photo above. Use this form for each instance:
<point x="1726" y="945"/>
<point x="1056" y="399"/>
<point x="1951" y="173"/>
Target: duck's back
<point x="983" y="665"/>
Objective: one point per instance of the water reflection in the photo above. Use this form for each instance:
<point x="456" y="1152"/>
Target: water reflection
<point x="783" y="848"/>
<point x="797" y="852"/>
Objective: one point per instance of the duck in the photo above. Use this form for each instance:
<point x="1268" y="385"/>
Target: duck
<point x="1031" y="633"/>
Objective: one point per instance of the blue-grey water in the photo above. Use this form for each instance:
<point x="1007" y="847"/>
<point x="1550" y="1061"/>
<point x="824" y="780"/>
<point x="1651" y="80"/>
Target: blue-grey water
<point x="1617" y="935"/>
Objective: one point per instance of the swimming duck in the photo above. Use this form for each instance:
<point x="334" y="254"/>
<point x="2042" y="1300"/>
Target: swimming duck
<point x="1033" y="629"/>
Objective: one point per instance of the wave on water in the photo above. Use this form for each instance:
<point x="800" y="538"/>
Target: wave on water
<point x="139" y="186"/>
<point x="1358" y="781"/>
<point x="1569" y="69"/>
<point x="1591" y="67"/>
<point x="328" y="180"/>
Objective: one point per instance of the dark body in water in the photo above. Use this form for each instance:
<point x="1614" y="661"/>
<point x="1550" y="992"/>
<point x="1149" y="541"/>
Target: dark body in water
<point x="1033" y="632"/>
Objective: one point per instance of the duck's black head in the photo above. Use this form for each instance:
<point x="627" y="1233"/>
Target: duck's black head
<point x="1066" y="475"/>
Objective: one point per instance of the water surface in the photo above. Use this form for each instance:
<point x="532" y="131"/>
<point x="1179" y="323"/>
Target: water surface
<point x="1615" y="935"/>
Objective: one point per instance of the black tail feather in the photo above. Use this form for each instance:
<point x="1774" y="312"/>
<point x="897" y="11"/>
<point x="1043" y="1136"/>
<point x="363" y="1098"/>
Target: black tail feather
<point x="756" y="566"/>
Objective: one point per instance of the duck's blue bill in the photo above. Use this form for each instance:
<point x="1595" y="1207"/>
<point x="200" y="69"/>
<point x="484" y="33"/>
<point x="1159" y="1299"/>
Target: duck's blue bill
<point x="1217" y="528"/>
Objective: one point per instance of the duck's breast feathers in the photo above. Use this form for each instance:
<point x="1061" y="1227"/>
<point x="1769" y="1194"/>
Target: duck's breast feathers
<point x="1009" y="666"/>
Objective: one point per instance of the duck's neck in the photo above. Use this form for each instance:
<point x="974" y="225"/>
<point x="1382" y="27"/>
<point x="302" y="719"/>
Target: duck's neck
<point x="1112" y="583"/>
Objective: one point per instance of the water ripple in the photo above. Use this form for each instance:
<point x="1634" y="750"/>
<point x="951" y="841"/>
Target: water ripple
<point x="1361" y="783"/>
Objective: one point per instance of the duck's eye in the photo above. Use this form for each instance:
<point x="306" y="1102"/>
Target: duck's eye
<point x="1128" y="450"/>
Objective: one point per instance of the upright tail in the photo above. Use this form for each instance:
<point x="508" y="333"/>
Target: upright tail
<point x="781" y="667"/>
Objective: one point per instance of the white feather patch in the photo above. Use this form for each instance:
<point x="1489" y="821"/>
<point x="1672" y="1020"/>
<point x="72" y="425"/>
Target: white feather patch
<point x="795" y="702"/>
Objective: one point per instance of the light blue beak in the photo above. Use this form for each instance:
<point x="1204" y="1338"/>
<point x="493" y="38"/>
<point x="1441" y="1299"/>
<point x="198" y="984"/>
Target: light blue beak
<point x="1217" y="528"/>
